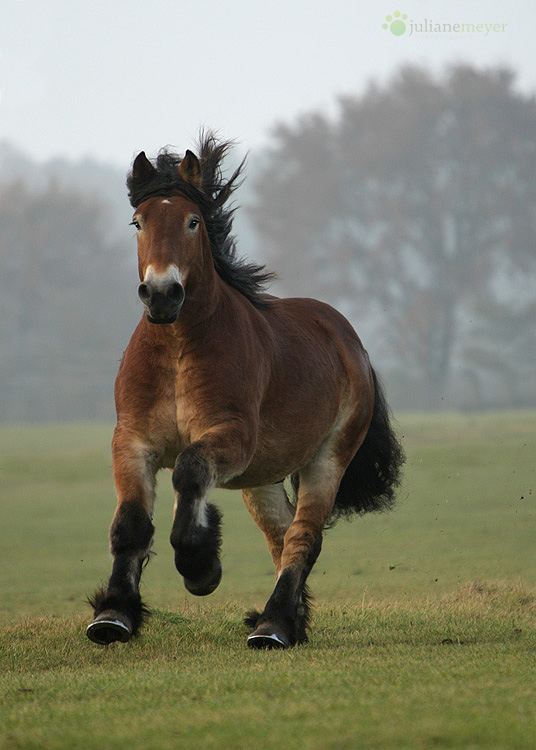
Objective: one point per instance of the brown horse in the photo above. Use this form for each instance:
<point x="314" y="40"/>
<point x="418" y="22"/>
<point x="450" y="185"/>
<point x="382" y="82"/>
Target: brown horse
<point x="229" y="387"/>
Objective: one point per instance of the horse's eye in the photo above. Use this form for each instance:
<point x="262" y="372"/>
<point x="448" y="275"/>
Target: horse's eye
<point x="135" y="224"/>
<point x="193" y="223"/>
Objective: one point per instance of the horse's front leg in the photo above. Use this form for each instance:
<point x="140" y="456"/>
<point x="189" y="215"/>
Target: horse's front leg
<point x="118" y="608"/>
<point x="195" y="534"/>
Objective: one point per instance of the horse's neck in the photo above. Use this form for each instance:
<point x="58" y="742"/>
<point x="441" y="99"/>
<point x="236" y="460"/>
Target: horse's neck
<point x="202" y="306"/>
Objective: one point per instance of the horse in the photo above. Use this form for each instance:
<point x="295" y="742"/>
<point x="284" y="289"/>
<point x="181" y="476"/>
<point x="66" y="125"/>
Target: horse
<point x="230" y="387"/>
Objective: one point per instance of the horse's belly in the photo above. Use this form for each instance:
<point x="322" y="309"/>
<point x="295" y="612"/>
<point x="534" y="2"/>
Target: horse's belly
<point x="252" y="479"/>
<point x="272" y="465"/>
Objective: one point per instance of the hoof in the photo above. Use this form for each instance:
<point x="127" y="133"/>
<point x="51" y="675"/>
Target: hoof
<point x="267" y="637"/>
<point x="108" y="627"/>
<point x="209" y="584"/>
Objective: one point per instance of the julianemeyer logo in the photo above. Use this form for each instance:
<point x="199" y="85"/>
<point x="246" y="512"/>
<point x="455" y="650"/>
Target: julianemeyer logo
<point x="397" y="23"/>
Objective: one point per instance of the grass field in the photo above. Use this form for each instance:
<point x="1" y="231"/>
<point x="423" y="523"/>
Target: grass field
<point x="424" y="631"/>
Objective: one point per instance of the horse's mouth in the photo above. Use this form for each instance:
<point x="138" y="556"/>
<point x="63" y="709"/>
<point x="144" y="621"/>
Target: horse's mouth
<point x="161" y="319"/>
<point x="162" y="314"/>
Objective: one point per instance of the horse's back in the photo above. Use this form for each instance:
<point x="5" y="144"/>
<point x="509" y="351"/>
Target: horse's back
<point x="321" y="336"/>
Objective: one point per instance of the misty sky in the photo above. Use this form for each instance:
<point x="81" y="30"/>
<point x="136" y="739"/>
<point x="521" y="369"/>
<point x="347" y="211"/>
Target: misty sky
<point x="106" y="79"/>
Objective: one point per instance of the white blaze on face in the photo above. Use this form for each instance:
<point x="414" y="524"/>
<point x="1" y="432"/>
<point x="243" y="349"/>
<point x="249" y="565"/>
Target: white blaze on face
<point x="162" y="279"/>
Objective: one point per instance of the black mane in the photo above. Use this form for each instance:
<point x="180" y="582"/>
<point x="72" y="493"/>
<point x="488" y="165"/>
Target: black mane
<point x="248" y="278"/>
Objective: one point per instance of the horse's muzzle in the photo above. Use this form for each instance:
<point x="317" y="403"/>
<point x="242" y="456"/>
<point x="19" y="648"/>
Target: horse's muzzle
<point x="162" y="302"/>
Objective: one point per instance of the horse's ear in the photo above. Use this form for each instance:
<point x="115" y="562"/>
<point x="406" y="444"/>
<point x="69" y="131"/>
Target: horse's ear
<point x="190" y="170"/>
<point x="142" y="169"/>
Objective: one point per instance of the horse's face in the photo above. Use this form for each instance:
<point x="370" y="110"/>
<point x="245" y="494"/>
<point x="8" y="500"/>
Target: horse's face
<point x="170" y="244"/>
<point x="171" y="241"/>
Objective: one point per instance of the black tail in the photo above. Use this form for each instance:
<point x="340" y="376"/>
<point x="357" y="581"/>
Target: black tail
<point x="373" y="475"/>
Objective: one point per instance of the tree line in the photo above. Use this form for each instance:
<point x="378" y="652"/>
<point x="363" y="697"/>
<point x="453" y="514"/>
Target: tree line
<point x="64" y="302"/>
<point x="413" y="211"/>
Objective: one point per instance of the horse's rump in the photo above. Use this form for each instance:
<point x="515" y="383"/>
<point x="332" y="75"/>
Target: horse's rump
<point x="370" y="481"/>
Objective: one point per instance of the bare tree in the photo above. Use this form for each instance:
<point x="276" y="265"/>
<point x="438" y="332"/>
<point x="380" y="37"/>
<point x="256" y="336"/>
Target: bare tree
<point x="412" y="208"/>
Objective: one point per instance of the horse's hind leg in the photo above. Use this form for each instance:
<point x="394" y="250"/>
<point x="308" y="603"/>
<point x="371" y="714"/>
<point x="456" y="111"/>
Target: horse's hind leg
<point x="273" y="513"/>
<point x="118" y="609"/>
<point x="285" y="617"/>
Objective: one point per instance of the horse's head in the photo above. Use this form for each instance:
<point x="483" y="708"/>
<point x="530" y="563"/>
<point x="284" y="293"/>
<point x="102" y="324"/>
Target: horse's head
<point x="171" y="241"/>
<point x="185" y="240"/>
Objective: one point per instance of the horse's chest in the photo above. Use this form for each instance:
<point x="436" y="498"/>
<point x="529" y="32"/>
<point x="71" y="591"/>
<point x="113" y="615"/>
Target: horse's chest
<point x="165" y="423"/>
<point x="183" y="418"/>
<point x="174" y="415"/>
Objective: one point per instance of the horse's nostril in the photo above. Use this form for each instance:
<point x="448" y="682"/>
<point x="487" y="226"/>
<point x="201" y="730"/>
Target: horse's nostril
<point x="176" y="293"/>
<point x="163" y="299"/>
<point x="143" y="293"/>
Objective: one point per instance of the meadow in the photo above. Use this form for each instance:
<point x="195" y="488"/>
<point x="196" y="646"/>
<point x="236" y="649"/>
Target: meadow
<point x="424" y="627"/>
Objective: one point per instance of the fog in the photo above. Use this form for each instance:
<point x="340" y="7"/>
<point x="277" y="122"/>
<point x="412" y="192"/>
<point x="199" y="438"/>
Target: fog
<point x="84" y="87"/>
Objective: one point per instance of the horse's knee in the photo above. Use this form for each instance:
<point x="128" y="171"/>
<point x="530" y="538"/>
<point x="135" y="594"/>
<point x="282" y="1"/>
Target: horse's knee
<point x="131" y="531"/>
<point x="192" y="474"/>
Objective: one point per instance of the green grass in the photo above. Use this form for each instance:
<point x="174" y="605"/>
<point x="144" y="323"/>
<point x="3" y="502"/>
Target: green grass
<point x="456" y="673"/>
<point x="423" y="634"/>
